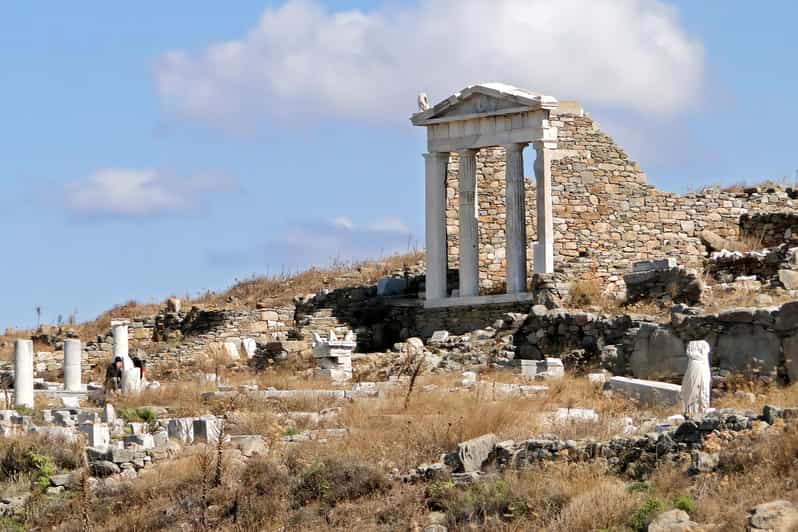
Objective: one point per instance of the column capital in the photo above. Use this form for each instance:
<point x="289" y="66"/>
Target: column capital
<point x="515" y="146"/>
<point x="467" y="152"/>
<point x="436" y="154"/>
<point x="545" y="145"/>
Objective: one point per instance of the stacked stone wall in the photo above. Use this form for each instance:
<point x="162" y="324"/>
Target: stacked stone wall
<point x="170" y="339"/>
<point x="771" y="229"/>
<point x="606" y="216"/>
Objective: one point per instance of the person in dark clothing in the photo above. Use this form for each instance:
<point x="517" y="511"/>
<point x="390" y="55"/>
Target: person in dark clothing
<point x="113" y="375"/>
<point x="139" y="363"/>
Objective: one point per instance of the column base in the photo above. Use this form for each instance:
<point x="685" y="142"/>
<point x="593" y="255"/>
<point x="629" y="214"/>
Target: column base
<point x="465" y="301"/>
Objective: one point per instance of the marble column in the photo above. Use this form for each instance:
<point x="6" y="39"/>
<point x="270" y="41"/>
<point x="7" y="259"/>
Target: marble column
<point x="544" y="251"/>
<point x="23" y="373"/>
<point x="436" y="165"/>
<point x="515" y="219"/>
<point x="72" y="369"/>
<point x="121" y="349"/>
<point x="469" y="224"/>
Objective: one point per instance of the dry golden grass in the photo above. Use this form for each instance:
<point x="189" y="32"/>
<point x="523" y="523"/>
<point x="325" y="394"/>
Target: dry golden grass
<point x="385" y="433"/>
<point x="282" y="288"/>
<point x="717" y="300"/>
<point x="585" y="292"/>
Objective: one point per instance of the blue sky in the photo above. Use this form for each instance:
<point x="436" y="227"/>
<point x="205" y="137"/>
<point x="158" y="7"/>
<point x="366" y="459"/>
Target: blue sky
<point x="172" y="147"/>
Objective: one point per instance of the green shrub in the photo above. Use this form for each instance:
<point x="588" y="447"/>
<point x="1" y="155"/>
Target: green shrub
<point x="43" y="468"/>
<point x="138" y="414"/>
<point x="478" y="501"/>
<point x="23" y="410"/>
<point x="686" y="504"/>
<point x="23" y="457"/>
<point x="638" y="487"/>
<point x="333" y="480"/>
<point x="9" y="524"/>
<point x="645" y="514"/>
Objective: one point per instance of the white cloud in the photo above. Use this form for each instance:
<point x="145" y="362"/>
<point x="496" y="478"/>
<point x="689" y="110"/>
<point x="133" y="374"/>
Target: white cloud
<point x="388" y="224"/>
<point x="343" y="222"/>
<point x="302" y="59"/>
<point x="122" y="192"/>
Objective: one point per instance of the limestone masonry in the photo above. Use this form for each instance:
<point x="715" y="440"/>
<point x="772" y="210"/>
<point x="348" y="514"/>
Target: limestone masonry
<point x="606" y="216"/>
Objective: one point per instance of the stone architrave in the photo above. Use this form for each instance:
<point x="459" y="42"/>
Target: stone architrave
<point x="72" y="365"/>
<point x="23" y="373"/>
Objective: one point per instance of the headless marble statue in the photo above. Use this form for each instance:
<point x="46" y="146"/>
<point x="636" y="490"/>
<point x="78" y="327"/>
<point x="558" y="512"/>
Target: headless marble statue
<point x="696" y="383"/>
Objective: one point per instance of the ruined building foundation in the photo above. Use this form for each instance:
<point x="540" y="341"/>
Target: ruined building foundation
<point x="594" y="215"/>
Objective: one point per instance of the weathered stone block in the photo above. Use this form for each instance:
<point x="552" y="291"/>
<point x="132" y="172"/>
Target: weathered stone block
<point x="182" y="429"/>
<point x="473" y="454"/>
<point x="97" y="434"/>
<point x="207" y="430"/>
<point x="651" y="393"/>
<point x="750" y="349"/>
<point x="657" y="353"/>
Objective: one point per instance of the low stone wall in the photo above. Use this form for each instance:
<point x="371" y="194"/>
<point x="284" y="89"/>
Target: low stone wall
<point x="759" y="342"/>
<point x="663" y="281"/>
<point x="636" y="456"/>
<point x="771" y="229"/>
<point x="726" y="266"/>
<point x="170" y="339"/>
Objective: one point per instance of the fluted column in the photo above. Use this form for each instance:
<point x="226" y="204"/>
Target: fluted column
<point x="469" y="224"/>
<point x="437" y="251"/>
<point x="544" y="251"/>
<point x="515" y="217"/>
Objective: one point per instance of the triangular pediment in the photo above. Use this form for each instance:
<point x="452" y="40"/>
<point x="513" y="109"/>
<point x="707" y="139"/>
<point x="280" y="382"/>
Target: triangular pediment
<point x="490" y="99"/>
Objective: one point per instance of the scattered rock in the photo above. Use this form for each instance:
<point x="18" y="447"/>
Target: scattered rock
<point x="471" y="455"/>
<point x="104" y="468"/>
<point x="774" y="516"/>
<point x="672" y="521"/>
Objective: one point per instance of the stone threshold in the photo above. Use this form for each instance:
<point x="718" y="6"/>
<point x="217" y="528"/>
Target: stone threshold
<point x="471" y="301"/>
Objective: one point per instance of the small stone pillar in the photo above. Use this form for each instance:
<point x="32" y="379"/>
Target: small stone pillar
<point x="333" y="356"/>
<point x="121" y="349"/>
<point x="23" y="373"/>
<point x="72" y="365"/>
